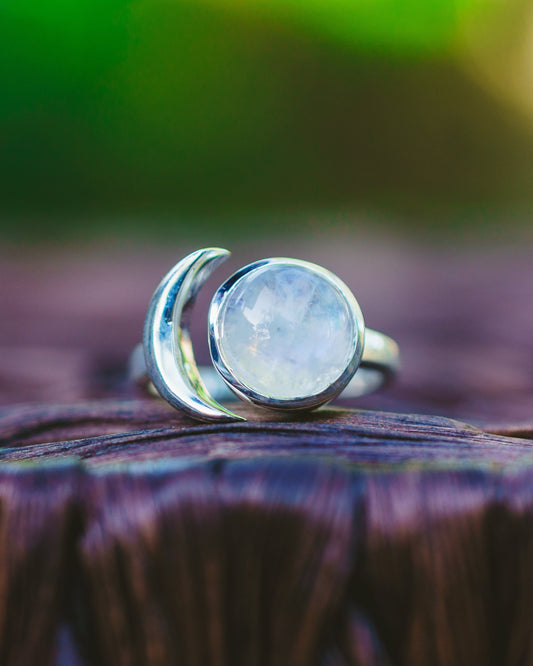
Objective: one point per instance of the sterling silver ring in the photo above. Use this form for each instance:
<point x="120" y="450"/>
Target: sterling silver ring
<point x="284" y="334"/>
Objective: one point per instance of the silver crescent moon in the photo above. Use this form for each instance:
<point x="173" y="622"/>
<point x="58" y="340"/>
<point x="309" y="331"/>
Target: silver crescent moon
<point x="168" y="349"/>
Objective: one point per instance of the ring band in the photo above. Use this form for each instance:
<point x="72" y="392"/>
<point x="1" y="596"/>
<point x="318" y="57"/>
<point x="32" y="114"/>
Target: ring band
<point x="284" y="334"/>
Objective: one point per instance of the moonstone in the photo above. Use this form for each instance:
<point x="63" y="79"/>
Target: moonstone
<point x="286" y="331"/>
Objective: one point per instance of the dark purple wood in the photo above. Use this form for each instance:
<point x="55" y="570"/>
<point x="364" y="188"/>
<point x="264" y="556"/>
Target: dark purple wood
<point x="133" y="536"/>
<point x="142" y="430"/>
<point x="345" y="538"/>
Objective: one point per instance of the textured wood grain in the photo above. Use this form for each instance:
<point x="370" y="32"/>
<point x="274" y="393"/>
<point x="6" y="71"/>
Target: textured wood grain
<point x="130" y="535"/>
<point x="346" y="538"/>
<point x="123" y="431"/>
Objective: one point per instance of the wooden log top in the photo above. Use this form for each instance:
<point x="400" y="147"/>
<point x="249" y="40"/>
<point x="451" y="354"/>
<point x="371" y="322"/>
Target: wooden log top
<point x="147" y="430"/>
<point x="383" y="535"/>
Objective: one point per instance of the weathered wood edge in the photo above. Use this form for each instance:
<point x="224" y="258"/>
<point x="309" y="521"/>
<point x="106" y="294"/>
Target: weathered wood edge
<point x="134" y="431"/>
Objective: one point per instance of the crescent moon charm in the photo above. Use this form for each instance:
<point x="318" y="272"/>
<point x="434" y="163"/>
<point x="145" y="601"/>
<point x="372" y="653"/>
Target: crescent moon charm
<point x="168" y="349"/>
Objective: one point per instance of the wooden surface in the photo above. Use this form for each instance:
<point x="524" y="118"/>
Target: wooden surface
<point x="131" y="535"/>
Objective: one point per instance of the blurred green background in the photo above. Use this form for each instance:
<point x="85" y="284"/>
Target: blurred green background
<point x="135" y="117"/>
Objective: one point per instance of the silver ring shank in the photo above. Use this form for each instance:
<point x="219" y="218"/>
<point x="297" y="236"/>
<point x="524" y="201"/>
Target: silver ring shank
<point x="379" y="363"/>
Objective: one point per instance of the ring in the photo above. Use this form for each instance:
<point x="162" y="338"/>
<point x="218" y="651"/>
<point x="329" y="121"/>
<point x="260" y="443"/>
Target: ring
<point x="284" y="334"/>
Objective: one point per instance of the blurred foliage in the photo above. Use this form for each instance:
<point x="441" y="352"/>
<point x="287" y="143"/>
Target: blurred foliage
<point x="393" y="26"/>
<point x="172" y="107"/>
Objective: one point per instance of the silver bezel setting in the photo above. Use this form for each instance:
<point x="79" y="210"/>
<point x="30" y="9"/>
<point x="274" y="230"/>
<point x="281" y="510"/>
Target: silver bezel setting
<point x="245" y="392"/>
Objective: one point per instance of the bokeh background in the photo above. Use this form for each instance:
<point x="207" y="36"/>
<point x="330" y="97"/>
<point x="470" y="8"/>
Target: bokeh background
<point x="388" y="140"/>
<point x="168" y="119"/>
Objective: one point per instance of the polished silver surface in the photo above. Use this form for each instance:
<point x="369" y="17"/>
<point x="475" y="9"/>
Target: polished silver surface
<point x="168" y="351"/>
<point x="166" y="365"/>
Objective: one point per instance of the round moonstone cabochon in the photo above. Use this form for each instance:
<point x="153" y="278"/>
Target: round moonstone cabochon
<point x="287" y="329"/>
